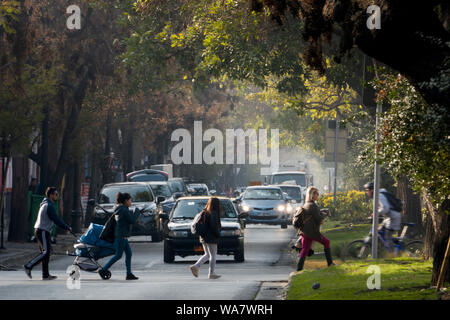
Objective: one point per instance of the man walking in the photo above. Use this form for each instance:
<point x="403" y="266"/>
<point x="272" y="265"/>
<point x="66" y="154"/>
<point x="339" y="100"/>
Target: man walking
<point x="46" y="217"/>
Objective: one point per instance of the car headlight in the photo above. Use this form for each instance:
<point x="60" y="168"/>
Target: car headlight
<point x="178" y="233"/>
<point x="281" y="207"/>
<point x="246" y="208"/>
<point x="230" y="233"/>
<point x="289" y="208"/>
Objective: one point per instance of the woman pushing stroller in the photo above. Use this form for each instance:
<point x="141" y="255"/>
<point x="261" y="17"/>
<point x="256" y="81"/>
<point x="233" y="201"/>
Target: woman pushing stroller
<point x="125" y="218"/>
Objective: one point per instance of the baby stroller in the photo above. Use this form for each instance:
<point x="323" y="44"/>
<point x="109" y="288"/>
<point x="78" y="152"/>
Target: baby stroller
<point x="91" y="248"/>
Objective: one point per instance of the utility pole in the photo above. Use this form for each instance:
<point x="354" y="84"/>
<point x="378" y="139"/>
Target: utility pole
<point x="376" y="191"/>
<point x="336" y="140"/>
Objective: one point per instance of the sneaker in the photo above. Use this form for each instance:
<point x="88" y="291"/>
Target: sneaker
<point x="49" y="278"/>
<point x="27" y="271"/>
<point x="194" y="270"/>
<point x="132" y="277"/>
<point x="214" y="276"/>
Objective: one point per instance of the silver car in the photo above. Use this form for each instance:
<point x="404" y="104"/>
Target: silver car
<point x="265" y="205"/>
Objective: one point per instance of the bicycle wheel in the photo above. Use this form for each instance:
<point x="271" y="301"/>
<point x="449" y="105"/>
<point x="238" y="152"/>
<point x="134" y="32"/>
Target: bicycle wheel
<point x="355" y="250"/>
<point x="414" y="248"/>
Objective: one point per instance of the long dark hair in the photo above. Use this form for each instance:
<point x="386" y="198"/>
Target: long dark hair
<point x="122" y="197"/>
<point x="213" y="205"/>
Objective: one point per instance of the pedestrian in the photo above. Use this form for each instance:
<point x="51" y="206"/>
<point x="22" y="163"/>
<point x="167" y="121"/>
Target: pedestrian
<point x="313" y="219"/>
<point x="47" y="216"/>
<point x="209" y="242"/>
<point x="125" y="218"/>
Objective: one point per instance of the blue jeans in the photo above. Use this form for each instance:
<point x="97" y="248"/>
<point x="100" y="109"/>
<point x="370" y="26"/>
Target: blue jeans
<point x="121" y="245"/>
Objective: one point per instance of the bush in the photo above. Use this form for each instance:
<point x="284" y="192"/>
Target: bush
<point x="351" y="206"/>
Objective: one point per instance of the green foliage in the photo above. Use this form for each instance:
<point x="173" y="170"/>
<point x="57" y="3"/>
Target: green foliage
<point x="20" y="107"/>
<point x="351" y="206"/>
<point x="9" y="10"/>
<point x="415" y="138"/>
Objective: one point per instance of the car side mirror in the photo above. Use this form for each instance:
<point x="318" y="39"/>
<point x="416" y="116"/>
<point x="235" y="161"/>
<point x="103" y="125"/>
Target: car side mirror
<point x="91" y="202"/>
<point x="160" y="199"/>
<point x="243" y="215"/>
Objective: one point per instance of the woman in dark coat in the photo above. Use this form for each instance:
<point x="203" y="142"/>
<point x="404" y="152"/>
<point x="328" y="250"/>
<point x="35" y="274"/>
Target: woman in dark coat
<point x="312" y="221"/>
<point x="125" y="219"/>
<point x="211" y="239"/>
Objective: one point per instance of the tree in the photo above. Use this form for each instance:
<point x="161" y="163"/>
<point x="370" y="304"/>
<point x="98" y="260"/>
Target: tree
<point x="407" y="148"/>
<point x="417" y="50"/>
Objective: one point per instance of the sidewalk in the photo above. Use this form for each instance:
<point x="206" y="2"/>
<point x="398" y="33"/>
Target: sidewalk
<point x="16" y="254"/>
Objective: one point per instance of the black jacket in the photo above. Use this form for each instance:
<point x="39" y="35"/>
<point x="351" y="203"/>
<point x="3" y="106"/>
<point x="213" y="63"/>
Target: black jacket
<point x="125" y="219"/>
<point x="312" y="220"/>
<point x="213" y="228"/>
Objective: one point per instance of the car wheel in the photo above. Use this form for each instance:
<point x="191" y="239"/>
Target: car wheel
<point x="284" y="226"/>
<point x="169" y="254"/>
<point x="239" y="254"/>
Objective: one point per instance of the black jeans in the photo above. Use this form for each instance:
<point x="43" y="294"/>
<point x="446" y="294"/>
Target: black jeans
<point x="43" y="239"/>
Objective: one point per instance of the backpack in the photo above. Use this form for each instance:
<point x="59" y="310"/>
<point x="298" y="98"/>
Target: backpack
<point x="108" y="232"/>
<point x="198" y="226"/>
<point x="298" y="220"/>
<point x="395" y="203"/>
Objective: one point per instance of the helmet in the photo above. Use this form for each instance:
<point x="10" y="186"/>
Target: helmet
<point x="368" y="186"/>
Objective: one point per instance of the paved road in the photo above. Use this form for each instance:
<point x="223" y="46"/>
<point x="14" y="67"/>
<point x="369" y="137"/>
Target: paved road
<point x="265" y="260"/>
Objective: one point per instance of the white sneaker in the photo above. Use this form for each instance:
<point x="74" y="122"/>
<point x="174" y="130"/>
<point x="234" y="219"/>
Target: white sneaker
<point x="194" y="270"/>
<point x="214" y="276"/>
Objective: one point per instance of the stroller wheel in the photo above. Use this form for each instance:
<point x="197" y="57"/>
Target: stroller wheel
<point x="105" y="275"/>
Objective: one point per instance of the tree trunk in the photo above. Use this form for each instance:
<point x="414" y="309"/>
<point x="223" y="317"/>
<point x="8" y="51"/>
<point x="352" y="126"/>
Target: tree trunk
<point x="19" y="204"/>
<point x="440" y="229"/>
<point x="67" y="197"/>
<point x="412" y="211"/>
<point x="44" y="168"/>
<point x="76" y="210"/>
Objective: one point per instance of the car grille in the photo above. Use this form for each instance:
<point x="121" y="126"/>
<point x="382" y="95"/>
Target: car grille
<point x="263" y="209"/>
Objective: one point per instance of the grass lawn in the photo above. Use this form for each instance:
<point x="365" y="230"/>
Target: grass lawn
<point x="401" y="278"/>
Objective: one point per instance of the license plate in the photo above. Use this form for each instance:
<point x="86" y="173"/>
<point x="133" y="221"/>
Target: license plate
<point x="198" y="248"/>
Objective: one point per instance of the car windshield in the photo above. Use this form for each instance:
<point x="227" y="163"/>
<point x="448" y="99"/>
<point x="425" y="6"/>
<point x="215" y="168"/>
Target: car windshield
<point x="188" y="208"/>
<point x="294" y="193"/>
<point x="263" y="194"/>
<point x="137" y="193"/>
<point x="176" y="186"/>
<point x="199" y="190"/>
<point x="162" y="190"/>
<point x="299" y="178"/>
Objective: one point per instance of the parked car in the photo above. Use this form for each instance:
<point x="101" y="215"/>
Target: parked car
<point x="265" y="205"/>
<point x="200" y="189"/>
<point x="147" y="175"/>
<point x="179" y="188"/>
<point x="162" y="189"/>
<point x="142" y="197"/>
<point x="178" y="239"/>
<point x="293" y="194"/>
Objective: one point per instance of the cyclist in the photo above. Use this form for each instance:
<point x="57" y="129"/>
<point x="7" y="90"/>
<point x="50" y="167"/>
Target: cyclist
<point x="391" y="218"/>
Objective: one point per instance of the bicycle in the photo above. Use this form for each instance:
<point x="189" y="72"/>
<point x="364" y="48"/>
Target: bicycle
<point x="362" y="249"/>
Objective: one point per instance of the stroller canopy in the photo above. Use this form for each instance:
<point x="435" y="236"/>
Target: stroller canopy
<point x="92" y="237"/>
